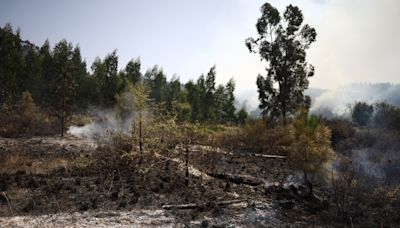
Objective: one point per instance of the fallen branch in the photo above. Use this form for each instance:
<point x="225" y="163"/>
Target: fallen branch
<point x="238" y="179"/>
<point x="112" y="183"/>
<point x="219" y="150"/>
<point x="199" y="205"/>
<point x="8" y="202"/>
<point x="270" y="156"/>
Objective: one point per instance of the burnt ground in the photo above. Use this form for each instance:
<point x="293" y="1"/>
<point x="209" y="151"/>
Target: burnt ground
<point x="71" y="182"/>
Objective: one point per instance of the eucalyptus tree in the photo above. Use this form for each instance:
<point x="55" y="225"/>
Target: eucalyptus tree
<point x="282" y="44"/>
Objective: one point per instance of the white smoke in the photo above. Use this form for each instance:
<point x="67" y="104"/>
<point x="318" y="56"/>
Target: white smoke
<point x="103" y="123"/>
<point x="336" y="102"/>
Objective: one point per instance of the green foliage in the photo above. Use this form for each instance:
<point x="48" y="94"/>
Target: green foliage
<point x="194" y="99"/>
<point x="311" y="146"/>
<point x="64" y="90"/>
<point x="361" y="113"/>
<point x="108" y="81"/>
<point x="47" y="80"/>
<point x="282" y="43"/>
<point x="386" y="116"/>
<point x="210" y="103"/>
<point x="156" y="80"/>
<point x="59" y="82"/>
<point x="24" y="119"/>
<point x="242" y="116"/>
<point x="225" y="102"/>
<point x="183" y="111"/>
<point x="80" y="77"/>
<point x="32" y="72"/>
<point x="11" y="65"/>
<point x="132" y="71"/>
<point x="174" y="97"/>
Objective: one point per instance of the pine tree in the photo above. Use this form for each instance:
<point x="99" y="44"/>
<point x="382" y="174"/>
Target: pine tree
<point x="132" y="71"/>
<point x="65" y="85"/>
<point x="47" y="78"/>
<point x="156" y="80"/>
<point x="11" y="65"/>
<point x="79" y="74"/>
<point x="311" y="149"/>
<point x="108" y="80"/>
<point x="32" y="72"/>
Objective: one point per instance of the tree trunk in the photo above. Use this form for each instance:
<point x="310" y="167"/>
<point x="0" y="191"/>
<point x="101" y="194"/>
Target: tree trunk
<point x="63" y="105"/>
<point x="284" y="115"/>
<point x="199" y="205"/>
<point x="308" y="183"/>
<point x="187" y="165"/>
<point x="140" y="138"/>
<point x="62" y="125"/>
<point x="237" y="179"/>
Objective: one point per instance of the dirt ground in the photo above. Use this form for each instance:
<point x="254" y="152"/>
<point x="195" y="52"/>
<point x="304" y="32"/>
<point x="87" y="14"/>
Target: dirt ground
<point x="58" y="182"/>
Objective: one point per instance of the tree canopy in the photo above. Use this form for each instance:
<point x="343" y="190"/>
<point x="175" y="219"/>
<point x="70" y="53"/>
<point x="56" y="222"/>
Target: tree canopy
<point x="282" y="44"/>
<point x="59" y="82"/>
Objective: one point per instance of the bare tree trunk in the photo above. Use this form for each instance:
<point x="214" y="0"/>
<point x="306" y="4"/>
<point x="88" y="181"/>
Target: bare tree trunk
<point x="63" y="106"/>
<point x="62" y="124"/>
<point x="194" y="205"/>
<point x="308" y="183"/>
<point x="284" y="115"/>
<point x="187" y="165"/>
<point x="140" y="138"/>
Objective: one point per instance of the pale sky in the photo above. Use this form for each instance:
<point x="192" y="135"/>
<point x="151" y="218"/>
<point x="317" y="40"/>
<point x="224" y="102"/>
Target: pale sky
<point x="357" y="41"/>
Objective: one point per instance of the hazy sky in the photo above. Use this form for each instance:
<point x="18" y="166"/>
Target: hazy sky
<point x="358" y="40"/>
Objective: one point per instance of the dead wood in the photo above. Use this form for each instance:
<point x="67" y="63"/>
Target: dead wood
<point x="199" y="205"/>
<point x="237" y="179"/>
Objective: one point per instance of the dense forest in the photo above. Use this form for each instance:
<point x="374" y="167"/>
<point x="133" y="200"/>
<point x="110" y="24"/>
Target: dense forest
<point x="134" y="140"/>
<point x="57" y="81"/>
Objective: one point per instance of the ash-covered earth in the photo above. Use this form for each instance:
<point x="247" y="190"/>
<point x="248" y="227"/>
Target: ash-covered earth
<point x="74" y="182"/>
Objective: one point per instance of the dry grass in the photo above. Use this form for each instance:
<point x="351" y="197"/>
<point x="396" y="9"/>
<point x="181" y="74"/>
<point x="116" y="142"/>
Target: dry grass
<point x="16" y="162"/>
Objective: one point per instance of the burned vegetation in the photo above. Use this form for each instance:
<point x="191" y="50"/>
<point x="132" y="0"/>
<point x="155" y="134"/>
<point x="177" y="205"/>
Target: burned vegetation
<point x="125" y="148"/>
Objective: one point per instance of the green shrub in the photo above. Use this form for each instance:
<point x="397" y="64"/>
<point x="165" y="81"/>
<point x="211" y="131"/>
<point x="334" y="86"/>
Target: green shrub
<point x="361" y="113"/>
<point x="25" y="119"/>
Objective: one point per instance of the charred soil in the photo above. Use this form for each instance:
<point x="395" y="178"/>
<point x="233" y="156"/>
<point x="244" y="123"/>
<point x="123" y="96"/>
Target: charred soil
<point x="42" y="176"/>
